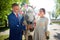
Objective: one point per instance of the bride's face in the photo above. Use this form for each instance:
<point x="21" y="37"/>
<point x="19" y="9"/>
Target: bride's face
<point x="41" y="13"/>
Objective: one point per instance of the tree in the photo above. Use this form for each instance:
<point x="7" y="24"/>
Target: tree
<point x="57" y="7"/>
<point x="5" y="6"/>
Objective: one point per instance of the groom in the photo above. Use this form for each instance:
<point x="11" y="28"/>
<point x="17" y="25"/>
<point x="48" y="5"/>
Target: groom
<point x="16" y="26"/>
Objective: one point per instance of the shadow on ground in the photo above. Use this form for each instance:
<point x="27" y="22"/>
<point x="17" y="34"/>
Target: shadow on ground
<point x="7" y="38"/>
<point x="3" y="28"/>
<point x="57" y="36"/>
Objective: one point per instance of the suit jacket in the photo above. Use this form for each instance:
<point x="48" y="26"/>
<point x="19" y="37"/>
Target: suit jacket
<point x="16" y="27"/>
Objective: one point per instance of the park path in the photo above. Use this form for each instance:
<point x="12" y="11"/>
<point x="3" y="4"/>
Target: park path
<point x="54" y="30"/>
<point x="6" y="32"/>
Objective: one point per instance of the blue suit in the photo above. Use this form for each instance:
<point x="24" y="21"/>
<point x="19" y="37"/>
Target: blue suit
<point x="16" y="27"/>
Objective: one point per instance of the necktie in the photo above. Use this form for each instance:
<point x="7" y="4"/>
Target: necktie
<point x="16" y="15"/>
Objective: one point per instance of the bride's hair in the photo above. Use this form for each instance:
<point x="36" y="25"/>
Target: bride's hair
<point x="42" y="10"/>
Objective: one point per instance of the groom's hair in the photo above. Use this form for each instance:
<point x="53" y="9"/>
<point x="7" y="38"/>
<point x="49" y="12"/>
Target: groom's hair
<point x="14" y="4"/>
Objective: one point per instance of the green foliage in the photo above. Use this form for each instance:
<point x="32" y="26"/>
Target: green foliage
<point x="23" y="2"/>
<point x="57" y="7"/>
<point x="58" y="1"/>
<point x="5" y="8"/>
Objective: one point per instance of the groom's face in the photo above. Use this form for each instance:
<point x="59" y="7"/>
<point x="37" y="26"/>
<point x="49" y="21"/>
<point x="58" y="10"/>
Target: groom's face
<point x="16" y="9"/>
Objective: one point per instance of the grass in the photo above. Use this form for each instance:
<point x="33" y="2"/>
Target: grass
<point x="57" y="22"/>
<point x="3" y="37"/>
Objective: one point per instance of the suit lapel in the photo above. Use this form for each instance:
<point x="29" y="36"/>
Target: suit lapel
<point x="16" y="18"/>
